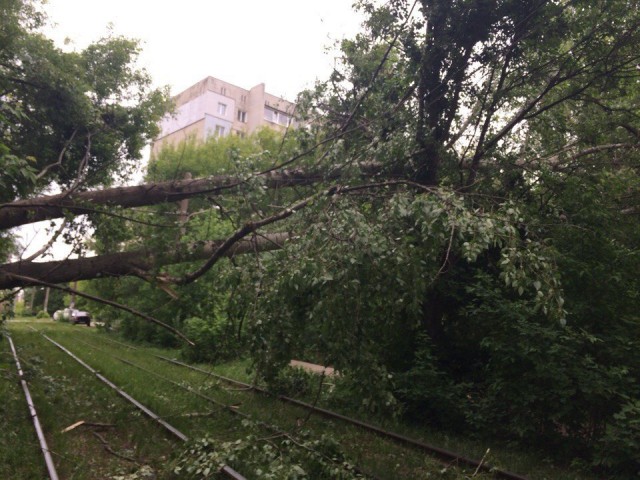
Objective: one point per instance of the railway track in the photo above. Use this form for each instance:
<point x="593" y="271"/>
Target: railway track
<point x="234" y="411"/>
<point x="226" y="470"/>
<point x="443" y="454"/>
<point x="48" y="460"/>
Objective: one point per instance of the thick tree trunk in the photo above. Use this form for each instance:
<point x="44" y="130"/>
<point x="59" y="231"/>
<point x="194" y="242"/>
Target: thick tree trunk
<point x="33" y="210"/>
<point x="138" y="263"/>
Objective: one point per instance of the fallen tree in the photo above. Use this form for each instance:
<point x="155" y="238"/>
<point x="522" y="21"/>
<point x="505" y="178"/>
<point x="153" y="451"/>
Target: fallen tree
<point x="23" y="212"/>
<point x="140" y="263"/>
<point x="515" y="287"/>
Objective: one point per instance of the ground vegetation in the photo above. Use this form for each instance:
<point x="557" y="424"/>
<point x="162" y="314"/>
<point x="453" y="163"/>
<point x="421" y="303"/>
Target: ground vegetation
<point x="460" y="239"/>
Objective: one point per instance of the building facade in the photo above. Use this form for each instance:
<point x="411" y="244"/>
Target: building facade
<point x="213" y="107"/>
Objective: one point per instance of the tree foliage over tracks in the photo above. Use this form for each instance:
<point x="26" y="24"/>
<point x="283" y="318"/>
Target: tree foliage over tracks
<point x="467" y="252"/>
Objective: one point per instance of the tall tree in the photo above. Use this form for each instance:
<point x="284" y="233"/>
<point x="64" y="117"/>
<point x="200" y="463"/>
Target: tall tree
<point x="457" y="302"/>
<point x="78" y="119"/>
<point x="503" y="136"/>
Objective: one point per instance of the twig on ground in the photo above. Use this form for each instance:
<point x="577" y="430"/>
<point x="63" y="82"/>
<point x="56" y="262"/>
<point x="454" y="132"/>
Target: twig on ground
<point x="108" y="448"/>
<point x="481" y="463"/>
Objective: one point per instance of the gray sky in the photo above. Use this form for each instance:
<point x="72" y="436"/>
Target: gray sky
<point x="282" y="43"/>
<point x="279" y="42"/>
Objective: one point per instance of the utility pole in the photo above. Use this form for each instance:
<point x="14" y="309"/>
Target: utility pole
<point x="46" y="300"/>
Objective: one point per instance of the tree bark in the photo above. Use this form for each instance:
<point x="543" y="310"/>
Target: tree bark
<point x="23" y="212"/>
<point x="134" y="263"/>
<point x="45" y="307"/>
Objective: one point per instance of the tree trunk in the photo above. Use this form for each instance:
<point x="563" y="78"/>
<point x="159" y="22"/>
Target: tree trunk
<point x="136" y="263"/>
<point x="45" y="307"/>
<point x="23" y="212"/>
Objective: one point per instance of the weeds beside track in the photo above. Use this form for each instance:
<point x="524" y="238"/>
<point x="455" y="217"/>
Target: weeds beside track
<point x="389" y="458"/>
<point x="225" y="469"/>
<point x="443" y="454"/>
<point x="443" y="457"/>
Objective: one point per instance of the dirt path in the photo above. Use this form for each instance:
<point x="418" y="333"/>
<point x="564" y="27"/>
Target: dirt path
<point x="312" y="367"/>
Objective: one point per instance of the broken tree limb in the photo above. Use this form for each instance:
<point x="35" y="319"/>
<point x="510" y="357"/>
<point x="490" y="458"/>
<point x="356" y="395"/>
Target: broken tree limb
<point x="108" y="448"/>
<point x="132" y="263"/>
<point x="23" y="212"/>
<point x="137" y="313"/>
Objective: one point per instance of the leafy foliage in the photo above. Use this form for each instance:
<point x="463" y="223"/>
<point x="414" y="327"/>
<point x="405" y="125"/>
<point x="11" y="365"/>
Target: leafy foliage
<point x="468" y="254"/>
<point x="215" y="339"/>
<point x="619" y="445"/>
<point x="288" y="459"/>
<point x="69" y="120"/>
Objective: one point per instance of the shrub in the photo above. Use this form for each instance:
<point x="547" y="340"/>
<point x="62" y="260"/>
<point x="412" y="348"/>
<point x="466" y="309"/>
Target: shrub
<point x="619" y="448"/>
<point x="294" y="382"/>
<point x="428" y="393"/>
<point x="43" y="314"/>
<point x="214" y="340"/>
<point x="18" y="308"/>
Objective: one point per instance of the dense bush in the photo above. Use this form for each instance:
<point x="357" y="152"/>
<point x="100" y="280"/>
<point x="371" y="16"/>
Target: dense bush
<point x="619" y="447"/>
<point x="214" y="340"/>
<point x="492" y="346"/>
<point x="295" y="382"/>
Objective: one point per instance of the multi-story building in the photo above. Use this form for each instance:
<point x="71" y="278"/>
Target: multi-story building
<point x="213" y="107"/>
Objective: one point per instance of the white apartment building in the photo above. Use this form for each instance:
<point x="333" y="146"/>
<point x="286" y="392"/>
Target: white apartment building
<point x="213" y="107"/>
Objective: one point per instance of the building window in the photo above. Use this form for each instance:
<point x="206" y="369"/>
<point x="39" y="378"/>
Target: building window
<point x="284" y="119"/>
<point x="220" y="131"/>
<point x="240" y="133"/>
<point x="222" y="108"/>
<point x="242" y="116"/>
<point x="223" y="90"/>
<point x="243" y="98"/>
<point x="274" y="116"/>
<point x="270" y="115"/>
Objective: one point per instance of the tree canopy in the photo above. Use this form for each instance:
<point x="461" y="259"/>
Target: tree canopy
<point x="455" y="228"/>
<point x="74" y="119"/>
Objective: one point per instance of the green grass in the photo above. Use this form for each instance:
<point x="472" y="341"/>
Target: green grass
<point x="18" y="439"/>
<point x="384" y="458"/>
<point x="64" y="394"/>
<point x="532" y="464"/>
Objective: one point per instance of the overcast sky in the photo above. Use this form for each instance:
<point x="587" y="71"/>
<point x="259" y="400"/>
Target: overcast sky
<point x="282" y="43"/>
<point x="246" y="42"/>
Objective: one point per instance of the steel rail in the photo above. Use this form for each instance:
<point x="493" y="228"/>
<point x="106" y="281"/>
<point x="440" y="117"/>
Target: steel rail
<point x="226" y="407"/>
<point x="228" y="471"/>
<point x="437" y="451"/>
<point x="51" y="468"/>
<point x="234" y="411"/>
<point x="440" y="452"/>
<point x="132" y="347"/>
<point x="174" y="431"/>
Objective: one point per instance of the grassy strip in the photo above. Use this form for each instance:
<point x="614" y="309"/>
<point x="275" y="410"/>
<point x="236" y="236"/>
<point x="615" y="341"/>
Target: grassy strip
<point x="64" y="394"/>
<point x="20" y="455"/>
<point x="383" y="457"/>
<point x="501" y="455"/>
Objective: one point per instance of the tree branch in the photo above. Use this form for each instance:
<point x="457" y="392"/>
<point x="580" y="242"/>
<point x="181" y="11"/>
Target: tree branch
<point x="133" y="263"/>
<point x="251" y="227"/>
<point x="45" y="247"/>
<point x="23" y="212"/>
<point x="46" y="169"/>
<point x="119" y="306"/>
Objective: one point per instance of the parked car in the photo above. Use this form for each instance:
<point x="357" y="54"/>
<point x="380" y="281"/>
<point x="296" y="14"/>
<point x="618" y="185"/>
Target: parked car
<point x="80" y="316"/>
